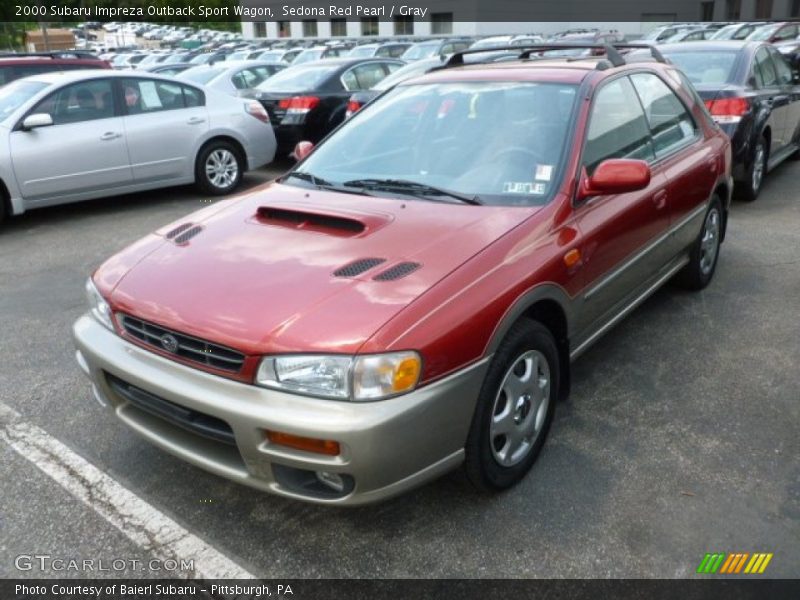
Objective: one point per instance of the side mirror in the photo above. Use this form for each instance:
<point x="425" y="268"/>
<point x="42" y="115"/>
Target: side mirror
<point x="302" y="149"/>
<point x="37" y="120"/>
<point x="615" y="176"/>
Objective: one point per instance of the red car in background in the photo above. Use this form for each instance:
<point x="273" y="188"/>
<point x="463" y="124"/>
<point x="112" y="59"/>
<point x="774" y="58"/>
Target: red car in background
<point x="19" y="65"/>
<point x="409" y="297"/>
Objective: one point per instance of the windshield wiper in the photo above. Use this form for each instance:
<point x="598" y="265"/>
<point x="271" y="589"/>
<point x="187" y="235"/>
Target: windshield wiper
<point x="313" y="179"/>
<point x="411" y="187"/>
<point x="324" y="184"/>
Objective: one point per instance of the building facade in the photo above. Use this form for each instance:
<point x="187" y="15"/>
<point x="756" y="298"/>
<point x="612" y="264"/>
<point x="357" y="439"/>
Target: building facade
<point x="442" y="17"/>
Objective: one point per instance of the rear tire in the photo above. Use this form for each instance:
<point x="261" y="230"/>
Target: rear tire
<point x="749" y="189"/>
<point x="219" y="167"/>
<point x="515" y="408"/>
<point x="704" y="254"/>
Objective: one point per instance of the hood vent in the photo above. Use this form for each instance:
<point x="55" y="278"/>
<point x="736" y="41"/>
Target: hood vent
<point x="321" y="223"/>
<point x="179" y="229"/>
<point x="184" y="237"/>
<point x="357" y="267"/>
<point x="398" y="271"/>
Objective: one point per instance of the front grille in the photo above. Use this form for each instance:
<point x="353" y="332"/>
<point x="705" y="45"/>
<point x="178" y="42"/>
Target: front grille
<point x="191" y="420"/>
<point x="184" y="346"/>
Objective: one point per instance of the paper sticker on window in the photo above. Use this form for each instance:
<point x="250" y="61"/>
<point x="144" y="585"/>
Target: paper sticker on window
<point x="150" y="97"/>
<point x="523" y="187"/>
<point x="543" y="172"/>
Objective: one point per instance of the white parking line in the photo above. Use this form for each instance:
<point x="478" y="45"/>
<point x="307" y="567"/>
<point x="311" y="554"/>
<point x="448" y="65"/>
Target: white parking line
<point x="143" y="524"/>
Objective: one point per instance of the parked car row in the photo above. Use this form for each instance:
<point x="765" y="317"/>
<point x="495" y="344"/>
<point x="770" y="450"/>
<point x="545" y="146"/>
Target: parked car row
<point x="408" y="298"/>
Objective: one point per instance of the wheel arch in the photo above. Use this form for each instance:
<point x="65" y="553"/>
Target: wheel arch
<point x="547" y="304"/>
<point x="223" y="137"/>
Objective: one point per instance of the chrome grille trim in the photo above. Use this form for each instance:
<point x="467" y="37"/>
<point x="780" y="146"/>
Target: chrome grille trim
<point x="188" y="347"/>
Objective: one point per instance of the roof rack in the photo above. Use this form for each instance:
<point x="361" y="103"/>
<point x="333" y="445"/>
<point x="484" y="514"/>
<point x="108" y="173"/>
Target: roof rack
<point x="611" y="52"/>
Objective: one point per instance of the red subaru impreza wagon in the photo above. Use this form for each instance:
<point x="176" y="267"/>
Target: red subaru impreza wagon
<point x="409" y="297"/>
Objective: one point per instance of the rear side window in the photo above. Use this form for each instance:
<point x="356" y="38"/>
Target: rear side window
<point x="148" y="95"/>
<point x="670" y="123"/>
<point x="782" y="69"/>
<point x="765" y="70"/>
<point x="193" y="97"/>
<point x="617" y="126"/>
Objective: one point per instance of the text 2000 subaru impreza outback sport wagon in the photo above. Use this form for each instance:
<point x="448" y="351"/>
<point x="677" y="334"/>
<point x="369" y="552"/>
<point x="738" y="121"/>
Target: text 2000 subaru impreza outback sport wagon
<point x="409" y="297"/>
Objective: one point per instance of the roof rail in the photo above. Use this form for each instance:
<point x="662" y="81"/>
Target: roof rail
<point x="611" y="51"/>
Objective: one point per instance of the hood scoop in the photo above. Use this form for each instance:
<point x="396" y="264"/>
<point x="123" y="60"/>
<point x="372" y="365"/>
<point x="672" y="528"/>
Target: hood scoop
<point x="357" y="267"/>
<point x="311" y="221"/>
<point x="397" y="271"/>
<point x="184" y="236"/>
<point x="178" y="230"/>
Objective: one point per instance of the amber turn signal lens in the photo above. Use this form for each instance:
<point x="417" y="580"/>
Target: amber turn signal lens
<point x="406" y="374"/>
<point x="572" y="257"/>
<point x="328" y="447"/>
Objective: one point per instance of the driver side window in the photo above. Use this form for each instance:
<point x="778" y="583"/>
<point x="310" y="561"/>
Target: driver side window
<point x="83" y="101"/>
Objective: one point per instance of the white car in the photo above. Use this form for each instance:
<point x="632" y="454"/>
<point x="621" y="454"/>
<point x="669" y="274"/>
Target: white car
<point x="78" y="135"/>
<point x="231" y="76"/>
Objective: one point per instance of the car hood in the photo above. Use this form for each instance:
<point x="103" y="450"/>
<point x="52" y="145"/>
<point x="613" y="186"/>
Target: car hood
<point x="283" y="269"/>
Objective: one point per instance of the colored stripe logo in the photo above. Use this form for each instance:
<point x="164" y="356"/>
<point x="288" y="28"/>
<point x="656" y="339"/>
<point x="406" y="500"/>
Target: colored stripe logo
<point x="734" y="563"/>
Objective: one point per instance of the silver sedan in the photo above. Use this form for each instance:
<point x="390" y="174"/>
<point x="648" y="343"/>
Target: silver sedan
<point x="78" y="135"/>
<point x="231" y="77"/>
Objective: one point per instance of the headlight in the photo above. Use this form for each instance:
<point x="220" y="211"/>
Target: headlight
<point x="98" y="306"/>
<point x="339" y="377"/>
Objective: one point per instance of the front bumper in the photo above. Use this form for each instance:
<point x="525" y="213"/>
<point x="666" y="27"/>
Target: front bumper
<point x="387" y="447"/>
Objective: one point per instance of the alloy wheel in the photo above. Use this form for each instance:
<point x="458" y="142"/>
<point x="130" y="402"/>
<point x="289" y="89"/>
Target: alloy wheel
<point x="222" y="169"/>
<point x="520" y="408"/>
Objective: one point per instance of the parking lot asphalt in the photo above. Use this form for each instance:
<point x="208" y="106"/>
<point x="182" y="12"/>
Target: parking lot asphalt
<point x="680" y="436"/>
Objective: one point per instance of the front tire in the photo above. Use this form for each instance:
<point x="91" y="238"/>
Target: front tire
<point x="704" y="254"/>
<point x="219" y="168"/>
<point x="515" y="408"/>
<point x="750" y="189"/>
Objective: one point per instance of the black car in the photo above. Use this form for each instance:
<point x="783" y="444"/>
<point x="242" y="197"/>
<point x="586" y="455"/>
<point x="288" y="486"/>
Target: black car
<point x="753" y="94"/>
<point x="306" y="102"/>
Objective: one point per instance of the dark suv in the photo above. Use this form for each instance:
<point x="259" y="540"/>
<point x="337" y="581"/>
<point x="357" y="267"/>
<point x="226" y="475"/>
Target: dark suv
<point x="16" y="66"/>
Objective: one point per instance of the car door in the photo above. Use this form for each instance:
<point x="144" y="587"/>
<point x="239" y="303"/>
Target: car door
<point x="621" y="250"/>
<point x="681" y="154"/>
<point x="83" y="152"/>
<point x="774" y="97"/>
<point x="787" y="82"/>
<point x="163" y="122"/>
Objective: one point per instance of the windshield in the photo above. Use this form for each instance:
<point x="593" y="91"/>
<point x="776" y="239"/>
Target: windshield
<point x="176" y="58"/>
<point x="362" y="51"/>
<point x="652" y="35"/>
<point x="491" y="43"/>
<point x="307" y="56"/>
<point x="705" y="66"/>
<point x="271" y="55"/>
<point x="297" y="79"/>
<point x="15" y="94"/>
<point x="201" y="75"/>
<point x="763" y="33"/>
<point x="499" y="142"/>
<point x="726" y="33"/>
<point x="423" y="50"/>
<point x="201" y="59"/>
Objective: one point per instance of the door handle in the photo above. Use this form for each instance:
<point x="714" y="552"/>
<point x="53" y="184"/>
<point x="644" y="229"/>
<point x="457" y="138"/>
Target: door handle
<point x="660" y="199"/>
<point x="195" y="120"/>
<point x="110" y="135"/>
